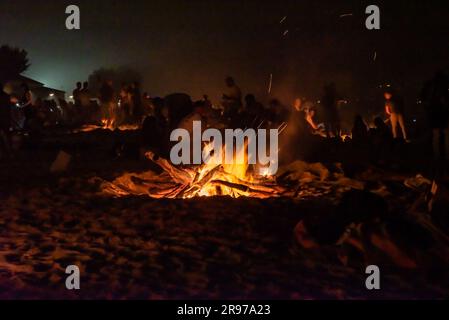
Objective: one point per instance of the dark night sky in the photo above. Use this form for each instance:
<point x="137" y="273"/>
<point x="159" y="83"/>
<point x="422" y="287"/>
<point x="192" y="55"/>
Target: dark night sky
<point x="191" y="45"/>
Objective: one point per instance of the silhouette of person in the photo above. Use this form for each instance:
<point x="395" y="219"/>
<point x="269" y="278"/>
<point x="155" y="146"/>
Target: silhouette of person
<point x="136" y="101"/>
<point x="435" y="96"/>
<point x="27" y="104"/>
<point x="146" y="104"/>
<point x="207" y="102"/>
<point x="107" y="98"/>
<point x="277" y="112"/>
<point x="76" y="94"/>
<point x="177" y="106"/>
<point x="84" y="100"/>
<point x="330" y="101"/>
<point x="308" y="112"/>
<point x="155" y="133"/>
<point x="232" y="98"/>
<point x="124" y="97"/>
<point x="359" y="130"/>
<point x="298" y="125"/>
<point x="381" y="131"/>
<point x="84" y="95"/>
<point x="254" y="111"/>
<point x="5" y="122"/>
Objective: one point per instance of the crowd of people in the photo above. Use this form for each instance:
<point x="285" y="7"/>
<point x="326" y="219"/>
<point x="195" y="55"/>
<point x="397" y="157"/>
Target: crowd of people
<point x="435" y="99"/>
<point x="113" y="106"/>
<point x="125" y="106"/>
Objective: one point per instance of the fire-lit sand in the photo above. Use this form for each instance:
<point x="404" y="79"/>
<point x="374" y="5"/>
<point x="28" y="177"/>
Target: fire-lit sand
<point x="145" y="229"/>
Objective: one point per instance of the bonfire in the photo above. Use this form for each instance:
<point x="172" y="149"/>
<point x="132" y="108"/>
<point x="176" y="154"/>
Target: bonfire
<point x="209" y="179"/>
<point x="106" y="125"/>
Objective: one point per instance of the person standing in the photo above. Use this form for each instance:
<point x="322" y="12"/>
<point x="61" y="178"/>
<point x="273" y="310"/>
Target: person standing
<point x="76" y="94"/>
<point x="394" y="108"/>
<point x="435" y="96"/>
<point x="5" y="123"/>
<point x="331" y="115"/>
<point x="123" y="108"/>
<point x="27" y="105"/>
<point x="136" y="102"/>
<point x="308" y="112"/>
<point x="84" y="95"/>
<point x="107" y="98"/>
<point x="84" y="98"/>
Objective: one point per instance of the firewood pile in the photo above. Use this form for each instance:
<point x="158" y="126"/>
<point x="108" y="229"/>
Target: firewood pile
<point x="195" y="181"/>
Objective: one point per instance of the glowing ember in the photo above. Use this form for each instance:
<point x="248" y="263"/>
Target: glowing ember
<point x="108" y="126"/>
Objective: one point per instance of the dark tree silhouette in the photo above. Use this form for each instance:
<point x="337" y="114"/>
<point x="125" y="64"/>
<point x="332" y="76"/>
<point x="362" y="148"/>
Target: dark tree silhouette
<point x="13" y="61"/>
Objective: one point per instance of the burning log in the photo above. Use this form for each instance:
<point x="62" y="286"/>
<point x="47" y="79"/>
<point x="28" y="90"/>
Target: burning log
<point x="179" y="176"/>
<point x="188" y="182"/>
<point x="246" y="189"/>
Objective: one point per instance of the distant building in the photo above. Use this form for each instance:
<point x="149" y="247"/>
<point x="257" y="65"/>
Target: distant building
<point x="38" y="89"/>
